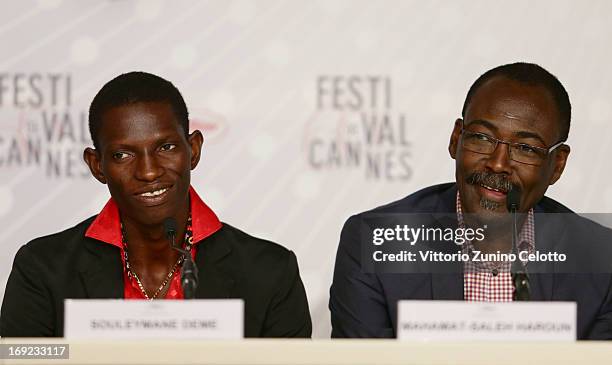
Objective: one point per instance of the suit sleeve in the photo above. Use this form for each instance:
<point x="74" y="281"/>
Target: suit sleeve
<point x="357" y="303"/>
<point x="602" y="328"/>
<point x="27" y="308"/>
<point x="288" y="314"/>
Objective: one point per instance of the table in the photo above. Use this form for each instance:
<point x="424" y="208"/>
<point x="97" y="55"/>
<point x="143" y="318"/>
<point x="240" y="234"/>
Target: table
<point x="331" y="352"/>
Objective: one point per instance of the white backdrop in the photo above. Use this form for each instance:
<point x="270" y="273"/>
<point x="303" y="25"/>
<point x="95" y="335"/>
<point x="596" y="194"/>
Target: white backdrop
<point x="311" y="110"/>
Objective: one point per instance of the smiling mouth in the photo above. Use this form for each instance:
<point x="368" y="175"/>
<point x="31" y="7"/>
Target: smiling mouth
<point x="154" y="197"/>
<point x="493" y="196"/>
<point x="500" y="191"/>
<point x="154" y="193"/>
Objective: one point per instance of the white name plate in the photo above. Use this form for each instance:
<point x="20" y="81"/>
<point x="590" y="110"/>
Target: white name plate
<point x="154" y="319"/>
<point x="428" y="320"/>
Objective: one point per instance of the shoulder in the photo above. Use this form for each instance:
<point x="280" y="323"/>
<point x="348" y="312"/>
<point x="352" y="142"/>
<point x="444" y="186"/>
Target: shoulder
<point x="581" y="236"/>
<point x="256" y="250"/>
<point x="549" y="205"/>
<point x="427" y="200"/>
<point x="584" y="226"/>
<point x="59" y="243"/>
<point x="53" y="254"/>
<point x="432" y="199"/>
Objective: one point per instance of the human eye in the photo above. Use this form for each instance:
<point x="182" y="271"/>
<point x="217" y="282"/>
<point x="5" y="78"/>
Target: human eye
<point x="526" y="149"/>
<point x="479" y="137"/>
<point x="167" y="147"/>
<point x="120" y="156"/>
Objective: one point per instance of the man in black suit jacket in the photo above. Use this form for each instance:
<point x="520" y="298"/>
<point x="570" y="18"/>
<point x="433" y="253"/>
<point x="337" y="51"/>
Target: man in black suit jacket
<point x="514" y="123"/>
<point x="145" y="154"/>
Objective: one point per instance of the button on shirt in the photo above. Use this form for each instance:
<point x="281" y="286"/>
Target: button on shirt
<point x="492" y="281"/>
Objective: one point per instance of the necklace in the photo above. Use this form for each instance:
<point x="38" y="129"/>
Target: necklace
<point x="161" y="286"/>
<point x="187" y="242"/>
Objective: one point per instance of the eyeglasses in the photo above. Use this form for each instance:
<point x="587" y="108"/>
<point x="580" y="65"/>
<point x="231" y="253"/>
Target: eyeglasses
<point x="519" y="152"/>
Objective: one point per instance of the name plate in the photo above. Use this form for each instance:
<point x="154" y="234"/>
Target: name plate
<point x="427" y="320"/>
<point x="154" y="319"/>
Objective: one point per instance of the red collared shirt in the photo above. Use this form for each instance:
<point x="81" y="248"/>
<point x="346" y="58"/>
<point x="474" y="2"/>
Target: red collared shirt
<point x="488" y="283"/>
<point x="107" y="228"/>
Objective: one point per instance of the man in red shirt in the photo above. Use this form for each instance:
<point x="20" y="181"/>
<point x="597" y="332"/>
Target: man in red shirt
<point x="144" y="153"/>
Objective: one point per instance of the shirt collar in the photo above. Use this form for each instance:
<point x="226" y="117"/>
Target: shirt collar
<point x="106" y="227"/>
<point x="526" y="237"/>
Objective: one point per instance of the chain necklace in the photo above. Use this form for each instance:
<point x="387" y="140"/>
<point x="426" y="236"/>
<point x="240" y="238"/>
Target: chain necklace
<point x="162" y="285"/>
<point x="186" y="245"/>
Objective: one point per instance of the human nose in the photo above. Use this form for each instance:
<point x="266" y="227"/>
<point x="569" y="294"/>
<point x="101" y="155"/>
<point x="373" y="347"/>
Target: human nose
<point x="499" y="160"/>
<point x="148" y="168"/>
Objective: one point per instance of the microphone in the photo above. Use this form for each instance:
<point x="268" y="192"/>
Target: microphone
<point x="520" y="278"/>
<point x="170" y="229"/>
<point x="513" y="199"/>
<point x="189" y="270"/>
<point x="189" y="277"/>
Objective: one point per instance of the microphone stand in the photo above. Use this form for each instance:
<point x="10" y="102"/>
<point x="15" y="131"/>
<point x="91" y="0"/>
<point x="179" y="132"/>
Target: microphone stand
<point x="520" y="277"/>
<point x="189" y="270"/>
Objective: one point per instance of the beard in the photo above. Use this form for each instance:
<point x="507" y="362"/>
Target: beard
<point x="497" y="220"/>
<point x="489" y="204"/>
<point x="496" y="181"/>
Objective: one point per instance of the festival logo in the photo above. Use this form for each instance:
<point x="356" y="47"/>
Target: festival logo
<point x="356" y="127"/>
<point x="41" y="128"/>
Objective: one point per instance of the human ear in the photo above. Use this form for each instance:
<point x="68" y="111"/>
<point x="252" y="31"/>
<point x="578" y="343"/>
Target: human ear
<point x="560" y="159"/>
<point x="454" y="138"/>
<point x="195" y="142"/>
<point x="92" y="159"/>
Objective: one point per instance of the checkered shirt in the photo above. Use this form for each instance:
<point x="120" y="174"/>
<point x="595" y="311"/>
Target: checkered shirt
<point x="492" y="281"/>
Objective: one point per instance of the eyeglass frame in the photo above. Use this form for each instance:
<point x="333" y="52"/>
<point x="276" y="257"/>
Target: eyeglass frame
<point x="547" y="150"/>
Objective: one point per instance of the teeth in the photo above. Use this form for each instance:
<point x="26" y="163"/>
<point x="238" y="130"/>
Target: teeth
<point x="490" y="188"/>
<point x="154" y="193"/>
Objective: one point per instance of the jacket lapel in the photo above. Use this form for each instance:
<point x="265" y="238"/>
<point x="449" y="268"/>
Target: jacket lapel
<point x="101" y="271"/>
<point x="541" y="286"/>
<point x="214" y="265"/>
<point x="549" y="233"/>
<point x="448" y="285"/>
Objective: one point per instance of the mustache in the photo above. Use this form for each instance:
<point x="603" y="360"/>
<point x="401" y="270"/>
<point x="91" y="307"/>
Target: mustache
<point x="496" y="181"/>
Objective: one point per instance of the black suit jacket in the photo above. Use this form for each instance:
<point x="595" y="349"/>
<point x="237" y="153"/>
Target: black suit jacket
<point x="231" y="264"/>
<point x="365" y="305"/>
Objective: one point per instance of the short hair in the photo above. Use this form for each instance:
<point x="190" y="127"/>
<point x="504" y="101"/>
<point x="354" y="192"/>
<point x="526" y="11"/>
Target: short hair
<point x="532" y="75"/>
<point x="135" y="87"/>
